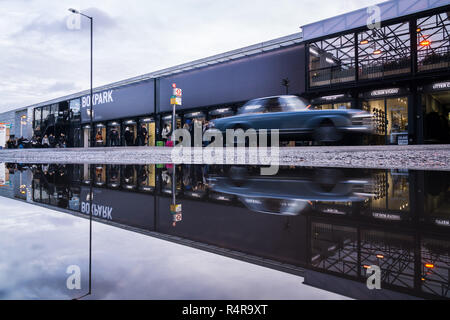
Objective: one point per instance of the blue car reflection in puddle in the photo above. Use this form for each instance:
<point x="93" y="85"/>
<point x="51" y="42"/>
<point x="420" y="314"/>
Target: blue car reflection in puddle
<point x="324" y="224"/>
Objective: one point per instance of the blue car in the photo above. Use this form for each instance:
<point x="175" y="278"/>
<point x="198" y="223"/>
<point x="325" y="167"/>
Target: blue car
<point x="296" y="119"/>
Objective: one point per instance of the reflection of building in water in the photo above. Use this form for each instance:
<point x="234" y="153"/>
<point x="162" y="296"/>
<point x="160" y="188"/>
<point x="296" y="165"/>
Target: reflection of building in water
<point x="349" y="251"/>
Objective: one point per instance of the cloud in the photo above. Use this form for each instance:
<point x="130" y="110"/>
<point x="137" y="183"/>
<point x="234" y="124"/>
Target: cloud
<point x="46" y="26"/>
<point x="133" y="38"/>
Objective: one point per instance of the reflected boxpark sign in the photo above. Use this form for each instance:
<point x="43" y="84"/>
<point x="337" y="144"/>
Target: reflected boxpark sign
<point x="127" y="101"/>
<point x="231" y="151"/>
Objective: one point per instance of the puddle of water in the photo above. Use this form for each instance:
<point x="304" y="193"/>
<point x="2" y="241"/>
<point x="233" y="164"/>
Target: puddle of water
<point x="321" y="227"/>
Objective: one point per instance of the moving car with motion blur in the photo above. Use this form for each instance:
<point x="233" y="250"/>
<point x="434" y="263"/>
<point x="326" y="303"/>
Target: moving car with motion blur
<point x="296" y="120"/>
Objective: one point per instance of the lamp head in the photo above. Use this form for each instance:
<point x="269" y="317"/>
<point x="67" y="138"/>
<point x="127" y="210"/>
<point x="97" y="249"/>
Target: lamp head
<point x="73" y="10"/>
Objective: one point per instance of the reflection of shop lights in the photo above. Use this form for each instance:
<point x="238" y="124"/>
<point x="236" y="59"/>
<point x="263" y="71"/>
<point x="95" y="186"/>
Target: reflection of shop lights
<point x="366" y="266"/>
<point x="364" y="42"/>
<point x="425" y="43"/>
<point x="334" y="211"/>
<point x="222" y="110"/>
<point x="377" y="52"/>
<point x="386" y="216"/>
<point x="429" y="265"/>
<point x="380" y="256"/>
<point x="441" y="222"/>
<point x="253" y="201"/>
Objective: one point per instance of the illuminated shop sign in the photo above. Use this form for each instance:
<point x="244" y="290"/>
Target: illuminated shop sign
<point x="441" y="86"/>
<point x="384" y="92"/>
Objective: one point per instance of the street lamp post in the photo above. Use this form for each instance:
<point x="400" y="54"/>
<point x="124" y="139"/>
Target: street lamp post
<point x="91" y="102"/>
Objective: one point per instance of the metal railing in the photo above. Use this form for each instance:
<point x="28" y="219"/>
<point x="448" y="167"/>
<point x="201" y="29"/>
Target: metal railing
<point x="431" y="59"/>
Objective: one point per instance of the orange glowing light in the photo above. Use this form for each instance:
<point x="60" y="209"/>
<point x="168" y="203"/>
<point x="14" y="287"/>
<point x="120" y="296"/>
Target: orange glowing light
<point x="364" y="42"/>
<point x="378" y="51"/>
<point x="429" y="265"/>
<point x="425" y="43"/>
<point x="366" y="266"/>
<point x="418" y="29"/>
<point x="380" y="256"/>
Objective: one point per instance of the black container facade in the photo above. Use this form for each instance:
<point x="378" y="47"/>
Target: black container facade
<point x="121" y="115"/>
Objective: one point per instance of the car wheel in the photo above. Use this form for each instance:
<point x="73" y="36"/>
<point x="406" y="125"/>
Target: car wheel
<point x="327" y="132"/>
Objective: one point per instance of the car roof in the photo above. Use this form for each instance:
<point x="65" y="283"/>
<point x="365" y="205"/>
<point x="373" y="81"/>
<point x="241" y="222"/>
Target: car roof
<point x="271" y="97"/>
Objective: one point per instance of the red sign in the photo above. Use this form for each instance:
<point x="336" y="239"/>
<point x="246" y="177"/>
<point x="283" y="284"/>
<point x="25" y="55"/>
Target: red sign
<point x="174" y="85"/>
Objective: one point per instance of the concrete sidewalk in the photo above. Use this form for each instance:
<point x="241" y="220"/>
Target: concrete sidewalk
<point x="426" y="157"/>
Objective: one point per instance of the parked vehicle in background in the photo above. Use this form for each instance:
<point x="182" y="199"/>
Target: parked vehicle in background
<point x="296" y="119"/>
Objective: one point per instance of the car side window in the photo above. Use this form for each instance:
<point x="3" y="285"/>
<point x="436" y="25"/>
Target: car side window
<point x="273" y="105"/>
<point x="292" y="103"/>
<point x="254" y="106"/>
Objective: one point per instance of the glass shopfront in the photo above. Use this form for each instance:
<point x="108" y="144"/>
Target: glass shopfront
<point x="436" y="113"/>
<point x="87" y="132"/>
<point x="166" y="125"/>
<point x="390" y="110"/>
<point x="114" y="134"/>
<point x="147" y="132"/>
<point x="130" y="133"/>
<point x="336" y="102"/>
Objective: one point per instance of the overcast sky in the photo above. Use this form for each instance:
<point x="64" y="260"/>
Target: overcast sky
<point x="42" y="58"/>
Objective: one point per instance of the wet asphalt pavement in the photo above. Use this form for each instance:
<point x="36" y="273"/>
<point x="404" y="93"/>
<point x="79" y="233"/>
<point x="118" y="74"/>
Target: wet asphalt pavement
<point x="425" y="157"/>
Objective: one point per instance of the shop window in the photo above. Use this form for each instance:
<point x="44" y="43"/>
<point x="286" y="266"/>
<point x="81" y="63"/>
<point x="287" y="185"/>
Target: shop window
<point x="166" y="131"/>
<point x="114" y="134"/>
<point x="87" y="134"/>
<point x="147" y="132"/>
<point x="75" y="109"/>
<point x="100" y="135"/>
<point x="384" y="51"/>
<point x="37" y="119"/>
<point x="377" y="108"/>
<point x="433" y="42"/>
<point x="436" y="117"/>
<point x="332" y="61"/>
<point x="397" y="120"/>
<point x="334" y="106"/>
<point x="130" y="132"/>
